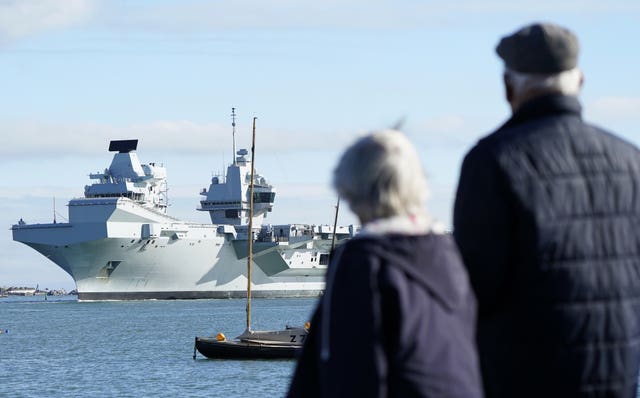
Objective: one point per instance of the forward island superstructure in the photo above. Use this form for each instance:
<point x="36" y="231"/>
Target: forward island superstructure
<point x="120" y="244"/>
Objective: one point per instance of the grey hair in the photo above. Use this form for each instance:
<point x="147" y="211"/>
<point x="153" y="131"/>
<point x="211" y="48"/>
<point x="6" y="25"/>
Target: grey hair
<point x="567" y="82"/>
<point x="381" y="176"/>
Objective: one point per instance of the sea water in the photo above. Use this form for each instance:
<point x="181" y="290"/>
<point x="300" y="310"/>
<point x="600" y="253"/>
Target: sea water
<point x="63" y="348"/>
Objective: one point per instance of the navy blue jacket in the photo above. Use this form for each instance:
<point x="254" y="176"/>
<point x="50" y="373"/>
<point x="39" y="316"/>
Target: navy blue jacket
<point x="397" y="319"/>
<point x="547" y="219"/>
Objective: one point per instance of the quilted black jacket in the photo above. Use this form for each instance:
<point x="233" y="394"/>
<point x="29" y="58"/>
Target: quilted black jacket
<point x="547" y="219"/>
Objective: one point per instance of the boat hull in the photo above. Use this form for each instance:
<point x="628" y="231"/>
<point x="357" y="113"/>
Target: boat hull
<point x="214" y="349"/>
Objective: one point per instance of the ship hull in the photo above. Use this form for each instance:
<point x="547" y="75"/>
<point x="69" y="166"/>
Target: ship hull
<point x="194" y="295"/>
<point x="118" y="269"/>
<point x="139" y="258"/>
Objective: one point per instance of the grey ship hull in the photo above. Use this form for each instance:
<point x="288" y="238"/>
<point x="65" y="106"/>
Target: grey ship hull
<point x="137" y="254"/>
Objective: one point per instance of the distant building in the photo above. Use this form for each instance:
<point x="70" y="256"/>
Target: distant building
<point x="21" y="291"/>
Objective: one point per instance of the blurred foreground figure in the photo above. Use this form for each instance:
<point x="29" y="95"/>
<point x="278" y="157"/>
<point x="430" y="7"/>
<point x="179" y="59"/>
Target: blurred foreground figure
<point x="547" y="218"/>
<point x="398" y="314"/>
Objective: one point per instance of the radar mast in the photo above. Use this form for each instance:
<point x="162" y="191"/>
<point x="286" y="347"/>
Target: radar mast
<point x="233" y="125"/>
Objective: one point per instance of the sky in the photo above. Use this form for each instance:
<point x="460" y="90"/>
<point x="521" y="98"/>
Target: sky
<point x="76" y="74"/>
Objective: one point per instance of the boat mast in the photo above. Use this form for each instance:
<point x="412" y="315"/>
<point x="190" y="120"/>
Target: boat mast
<point x="233" y="125"/>
<point x="335" y="225"/>
<point x="250" y="236"/>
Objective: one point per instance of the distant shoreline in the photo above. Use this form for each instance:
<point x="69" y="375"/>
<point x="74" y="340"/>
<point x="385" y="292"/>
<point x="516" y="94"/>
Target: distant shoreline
<point x="26" y="291"/>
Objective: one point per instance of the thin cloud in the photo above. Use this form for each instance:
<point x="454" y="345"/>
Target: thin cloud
<point x="45" y="139"/>
<point x="190" y="16"/>
<point x="20" y="19"/>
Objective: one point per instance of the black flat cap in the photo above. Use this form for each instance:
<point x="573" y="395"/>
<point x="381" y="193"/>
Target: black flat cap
<point x="539" y="48"/>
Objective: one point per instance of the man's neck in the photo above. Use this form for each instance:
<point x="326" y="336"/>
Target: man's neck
<point x="517" y="102"/>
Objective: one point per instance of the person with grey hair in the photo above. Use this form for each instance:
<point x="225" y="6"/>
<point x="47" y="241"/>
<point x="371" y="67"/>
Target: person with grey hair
<point x="547" y="218"/>
<point x="397" y="316"/>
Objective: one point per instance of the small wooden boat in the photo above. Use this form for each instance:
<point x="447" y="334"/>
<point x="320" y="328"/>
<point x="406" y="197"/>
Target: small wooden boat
<point x="214" y="349"/>
<point x="279" y="344"/>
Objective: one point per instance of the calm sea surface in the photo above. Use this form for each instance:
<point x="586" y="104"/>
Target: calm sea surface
<point x="62" y="348"/>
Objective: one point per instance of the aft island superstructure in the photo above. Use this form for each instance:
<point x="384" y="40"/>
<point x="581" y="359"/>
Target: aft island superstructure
<point x="119" y="242"/>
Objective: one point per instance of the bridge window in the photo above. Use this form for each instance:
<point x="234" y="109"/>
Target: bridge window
<point x="263" y="197"/>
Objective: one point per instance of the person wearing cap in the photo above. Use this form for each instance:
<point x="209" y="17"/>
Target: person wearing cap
<point x="397" y="318"/>
<point x="547" y="219"/>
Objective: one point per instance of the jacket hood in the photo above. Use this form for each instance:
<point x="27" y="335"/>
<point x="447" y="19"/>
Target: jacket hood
<point x="432" y="260"/>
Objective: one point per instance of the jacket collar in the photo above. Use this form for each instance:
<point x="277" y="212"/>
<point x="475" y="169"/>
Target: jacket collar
<point x="544" y="106"/>
<point x="400" y="225"/>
